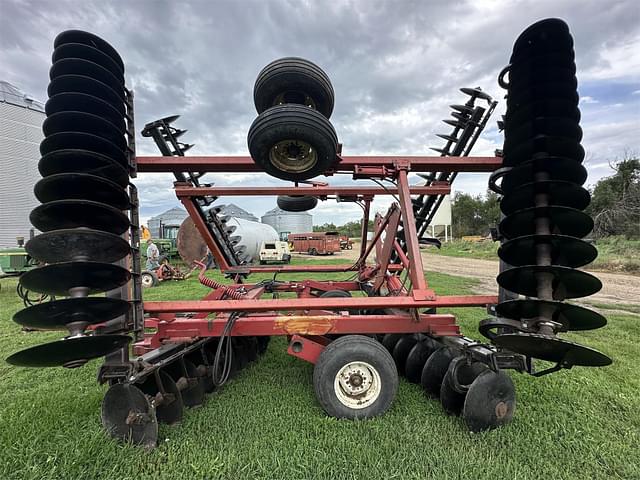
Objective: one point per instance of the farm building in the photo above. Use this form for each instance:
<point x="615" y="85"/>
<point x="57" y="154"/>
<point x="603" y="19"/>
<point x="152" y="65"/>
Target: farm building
<point x="171" y="220"/>
<point x="288" y="222"/>
<point x="21" y="120"/>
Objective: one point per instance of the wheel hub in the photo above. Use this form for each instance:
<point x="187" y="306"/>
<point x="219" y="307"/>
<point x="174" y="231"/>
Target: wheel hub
<point x="293" y="156"/>
<point x="357" y="385"/>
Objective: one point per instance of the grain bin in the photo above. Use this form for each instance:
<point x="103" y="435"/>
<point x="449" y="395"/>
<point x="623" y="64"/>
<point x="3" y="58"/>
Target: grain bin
<point x="288" y="222"/>
<point x="21" y="120"/>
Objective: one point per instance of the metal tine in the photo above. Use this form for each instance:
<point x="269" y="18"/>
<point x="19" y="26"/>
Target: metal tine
<point x="459" y="116"/>
<point x="439" y="150"/>
<point x="448" y="138"/>
<point x="462" y="108"/>
<point x="476" y="93"/>
<point x="453" y="123"/>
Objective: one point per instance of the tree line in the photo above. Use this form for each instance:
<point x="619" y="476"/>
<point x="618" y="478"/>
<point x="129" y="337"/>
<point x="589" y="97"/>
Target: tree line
<point x="614" y="207"/>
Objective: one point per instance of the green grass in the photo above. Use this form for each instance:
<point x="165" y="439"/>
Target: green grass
<point x="615" y="254"/>
<point x="266" y="424"/>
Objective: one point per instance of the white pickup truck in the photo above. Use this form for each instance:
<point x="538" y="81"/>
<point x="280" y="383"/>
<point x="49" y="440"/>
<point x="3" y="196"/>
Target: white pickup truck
<point x="274" y="252"/>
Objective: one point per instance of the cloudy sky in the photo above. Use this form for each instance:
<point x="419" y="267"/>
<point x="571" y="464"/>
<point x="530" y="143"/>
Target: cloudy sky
<point x="395" y="67"/>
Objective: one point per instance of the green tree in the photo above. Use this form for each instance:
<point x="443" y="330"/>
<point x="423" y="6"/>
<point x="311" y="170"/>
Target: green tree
<point x="474" y="215"/>
<point x="615" y="201"/>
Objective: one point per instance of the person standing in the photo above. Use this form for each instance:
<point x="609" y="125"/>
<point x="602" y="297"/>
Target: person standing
<point x="153" y="255"/>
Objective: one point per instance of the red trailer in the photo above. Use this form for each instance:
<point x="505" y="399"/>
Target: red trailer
<point x="315" y="243"/>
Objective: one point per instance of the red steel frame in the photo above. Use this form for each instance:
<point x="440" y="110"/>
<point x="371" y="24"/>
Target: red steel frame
<point x="393" y="308"/>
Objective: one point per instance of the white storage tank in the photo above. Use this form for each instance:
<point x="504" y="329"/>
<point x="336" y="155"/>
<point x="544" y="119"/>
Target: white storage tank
<point x="288" y="222"/>
<point x="21" y="120"/>
<point x="251" y="234"/>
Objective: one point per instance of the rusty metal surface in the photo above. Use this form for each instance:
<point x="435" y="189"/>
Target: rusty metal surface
<point x="243" y="164"/>
<point x="191" y="246"/>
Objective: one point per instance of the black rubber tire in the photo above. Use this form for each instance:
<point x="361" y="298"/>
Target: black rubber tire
<point x="263" y="344"/>
<point x="434" y="371"/>
<point x="401" y="351"/>
<point x="292" y="122"/>
<point x="296" y="203"/>
<point x="416" y="359"/>
<point x="452" y="400"/>
<point x="390" y="339"/>
<point x="347" y="349"/>
<point x="313" y="252"/>
<point x="296" y="75"/>
<point x="149" y="279"/>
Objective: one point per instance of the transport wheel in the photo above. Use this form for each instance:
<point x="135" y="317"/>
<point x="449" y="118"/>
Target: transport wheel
<point x="402" y="349"/>
<point x="355" y="377"/>
<point x="313" y="252"/>
<point x="416" y="359"/>
<point x="193" y="394"/>
<point x="292" y="142"/>
<point x="456" y="382"/>
<point x="128" y="415"/>
<point x="390" y="339"/>
<point x="148" y="279"/>
<point x="263" y="344"/>
<point x="490" y="402"/>
<point x="172" y="406"/>
<point x="296" y="203"/>
<point x="435" y="369"/>
<point x="293" y="80"/>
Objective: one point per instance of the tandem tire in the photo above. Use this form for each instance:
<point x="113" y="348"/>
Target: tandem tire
<point x="355" y="377"/>
<point x="296" y="203"/>
<point x="293" y="80"/>
<point x="292" y="142"/>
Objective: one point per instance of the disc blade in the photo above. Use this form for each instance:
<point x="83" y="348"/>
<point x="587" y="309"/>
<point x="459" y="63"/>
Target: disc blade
<point x="435" y="369"/>
<point x="57" y="314"/>
<point x="71" y="352"/>
<point x="564" y="194"/>
<point x="531" y="92"/>
<point x="73" y="121"/>
<point x="129" y="416"/>
<point x="88" y="85"/>
<point x="77" y="244"/>
<point x="82" y="141"/>
<point x="87" y="52"/>
<point x="567" y="282"/>
<point x="83" y="161"/>
<point x="572" y="317"/>
<point x="62" y="214"/>
<point x="563" y="250"/>
<point x="562" y="221"/>
<point x="476" y="92"/>
<point x="490" y="401"/>
<point x="544" y="36"/>
<point x="193" y="395"/>
<point x="556" y="126"/>
<point x="552" y="349"/>
<point x="86" y="38"/>
<point x="81" y="186"/>
<point x="553" y="107"/>
<point x="543" y="145"/>
<point x="171" y="409"/>
<point x="556" y="168"/>
<point x="81" y="102"/>
<point x="58" y="278"/>
<point x="78" y="66"/>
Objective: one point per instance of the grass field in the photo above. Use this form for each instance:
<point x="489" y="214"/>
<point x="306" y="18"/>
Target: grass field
<point x="615" y="254"/>
<point x="266" y="424"/>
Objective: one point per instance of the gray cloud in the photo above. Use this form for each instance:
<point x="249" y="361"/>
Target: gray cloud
<point x="395" y="66"/>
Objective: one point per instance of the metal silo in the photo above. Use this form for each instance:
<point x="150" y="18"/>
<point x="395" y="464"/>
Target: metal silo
<point x="169" y="220"/>
<point x="288" y="222"/>
<point x="21" y="120"/>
